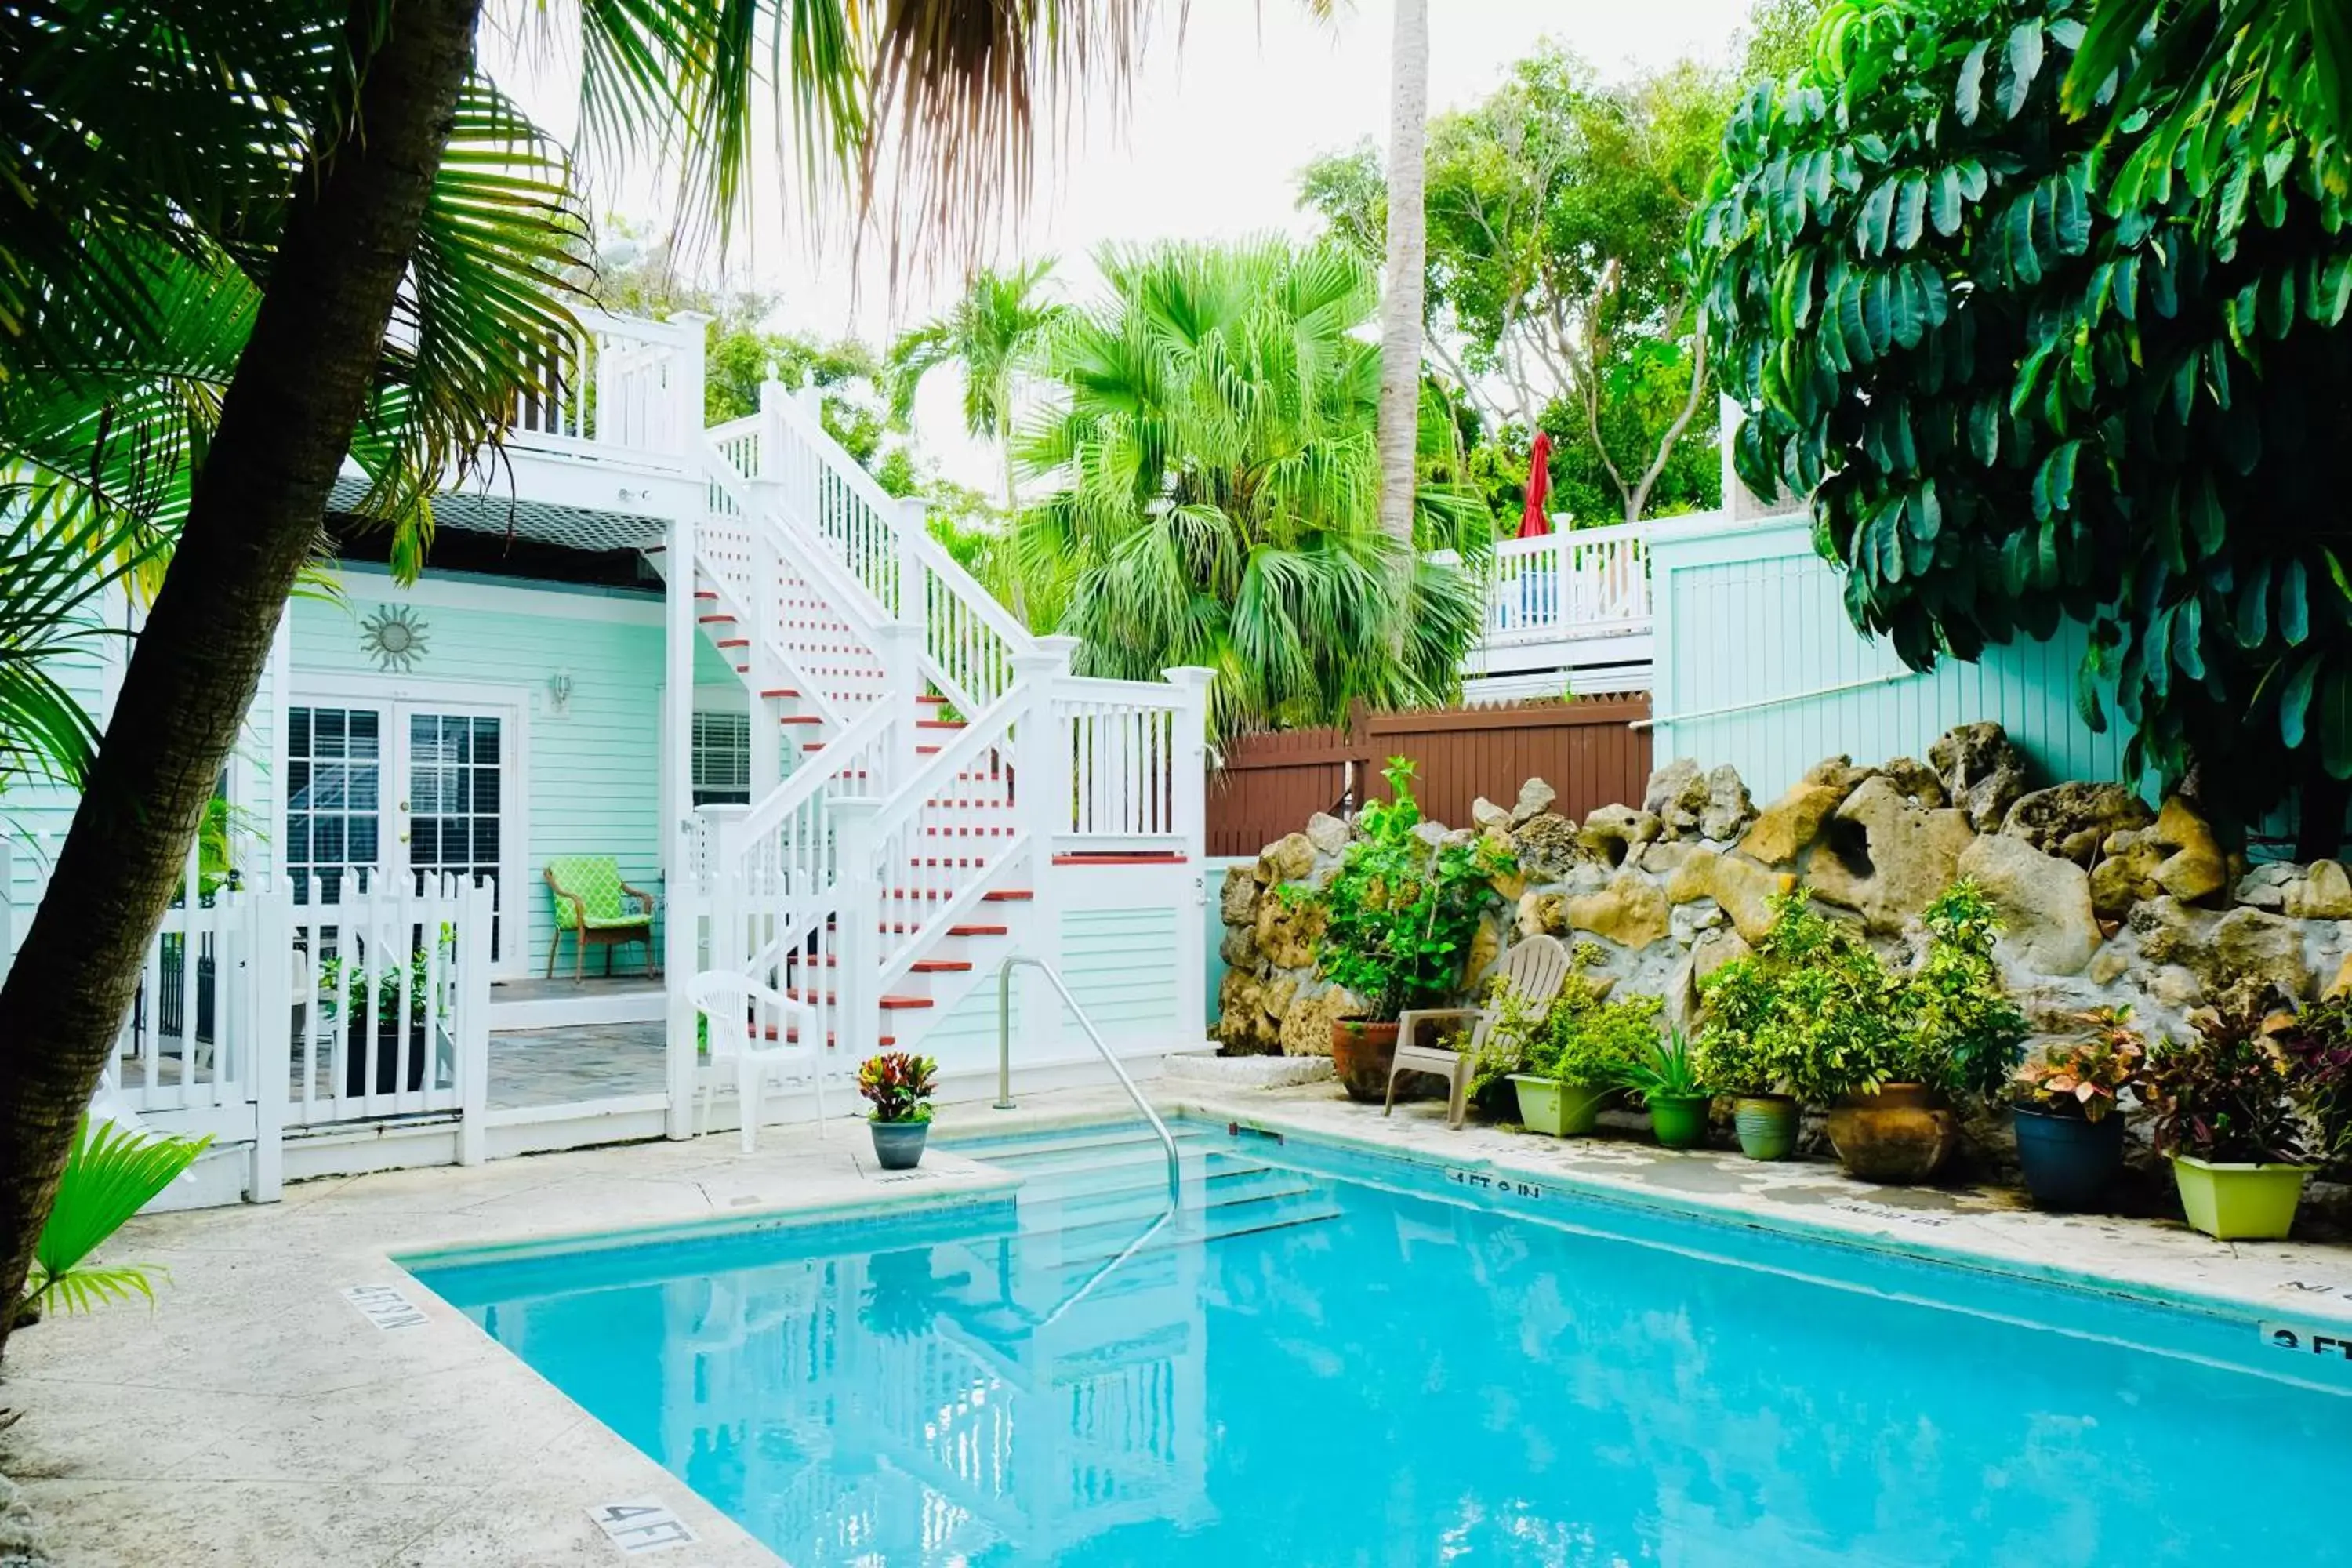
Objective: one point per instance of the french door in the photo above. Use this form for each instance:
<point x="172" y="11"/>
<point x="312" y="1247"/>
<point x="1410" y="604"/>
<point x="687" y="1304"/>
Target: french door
<point x="392" y="791"/>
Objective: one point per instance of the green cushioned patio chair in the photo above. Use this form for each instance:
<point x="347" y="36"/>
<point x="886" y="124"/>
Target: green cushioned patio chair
<point x="591" y="903"/>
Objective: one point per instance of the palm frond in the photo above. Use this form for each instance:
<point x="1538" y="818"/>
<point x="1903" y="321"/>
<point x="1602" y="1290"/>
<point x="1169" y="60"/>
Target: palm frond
<point x="110" y="1173"/>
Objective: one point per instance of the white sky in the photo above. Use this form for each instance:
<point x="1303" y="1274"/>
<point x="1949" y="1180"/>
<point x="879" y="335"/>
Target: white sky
<point x="1218" y="127"/>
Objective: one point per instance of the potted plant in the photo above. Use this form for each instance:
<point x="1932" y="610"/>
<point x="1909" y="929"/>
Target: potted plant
<point x="2225" y="1115"/>
<point x="385" y="988"/>
<point x="1775" y="1016"/>
<point x="1579" y="1056"/>
<point x="1397" y="919"/>
<point x="1667" y="1079"/>
<point x="2068" y="1110"/>
<point x="1891" y="1050"/>
<point x="899" y="1085"/>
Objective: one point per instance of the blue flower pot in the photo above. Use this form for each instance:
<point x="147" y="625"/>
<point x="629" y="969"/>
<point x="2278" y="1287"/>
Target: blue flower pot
<point x="898" y="1145"/>
<point x="2068" y="1161"/>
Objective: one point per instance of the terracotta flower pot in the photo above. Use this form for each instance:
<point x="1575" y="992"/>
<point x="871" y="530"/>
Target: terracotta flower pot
<point x="1362" y="1054"/>
<point x="1903" y="1133"/>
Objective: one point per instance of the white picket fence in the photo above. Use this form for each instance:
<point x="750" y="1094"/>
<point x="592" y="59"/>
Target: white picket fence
<point x="257" y="1015"/>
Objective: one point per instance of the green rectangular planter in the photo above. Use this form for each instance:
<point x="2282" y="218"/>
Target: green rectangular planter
<point x="1562" y="1109"/>
<point x="2229" y="1202"/>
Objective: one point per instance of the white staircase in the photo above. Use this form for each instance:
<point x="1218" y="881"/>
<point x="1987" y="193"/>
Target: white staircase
<point x="925" y="771"/>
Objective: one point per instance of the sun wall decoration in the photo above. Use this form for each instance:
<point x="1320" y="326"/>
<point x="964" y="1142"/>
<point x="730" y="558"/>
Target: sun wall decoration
<point x="394" y="637"/>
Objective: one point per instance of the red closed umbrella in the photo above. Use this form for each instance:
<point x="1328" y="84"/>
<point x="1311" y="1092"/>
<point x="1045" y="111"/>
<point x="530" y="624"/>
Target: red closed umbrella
<point x="1535" y="523"/>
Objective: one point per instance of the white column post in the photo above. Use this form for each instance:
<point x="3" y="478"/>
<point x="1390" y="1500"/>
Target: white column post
<point x="269" y="983"/>
<point x="913" y="525"/>
<point x="1189" y="766"/>
<point x="1041" y="785"/>
<point x="685" y="384"/>
<point x="471" y="1023"/>
<point x="858" y="988"/>
<point x="681" y="916"/>
<point x="900" y="648"/>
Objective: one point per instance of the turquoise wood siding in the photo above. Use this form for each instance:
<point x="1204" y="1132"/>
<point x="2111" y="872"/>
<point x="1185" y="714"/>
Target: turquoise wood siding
<point x="593" y="771"/>
<point x="1758" y="667"/>
<point x="1120" y="964"/>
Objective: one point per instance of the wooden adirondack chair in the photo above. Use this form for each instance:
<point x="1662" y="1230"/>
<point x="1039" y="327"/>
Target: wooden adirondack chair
<point x="590" y="903"/>
<point x="1535" y="971"/>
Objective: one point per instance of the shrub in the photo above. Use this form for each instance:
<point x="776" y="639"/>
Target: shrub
<point x="1959" y="1012"/>
<point x="1815" y="1012"/>
<point x="2225" y="1094"/>
<point x="1810" y="1013"/>
<point x="1401" y="913"/>
<point x="1581" y="1041"/>
<point x="2086" y="1077"/>
<point x="2319" y="1046"/>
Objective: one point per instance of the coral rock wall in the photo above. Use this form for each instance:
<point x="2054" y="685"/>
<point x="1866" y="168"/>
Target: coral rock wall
<point x="2103" y="900"/>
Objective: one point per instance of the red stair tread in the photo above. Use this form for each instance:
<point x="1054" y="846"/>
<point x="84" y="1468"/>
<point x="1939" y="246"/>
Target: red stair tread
<point x="1145" y="857"/>
<point x="831" y="1039"/>
<point x="891" y="1003"/>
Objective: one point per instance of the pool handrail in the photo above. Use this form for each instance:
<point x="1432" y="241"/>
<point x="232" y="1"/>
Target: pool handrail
<point x="1004" y="1059"/>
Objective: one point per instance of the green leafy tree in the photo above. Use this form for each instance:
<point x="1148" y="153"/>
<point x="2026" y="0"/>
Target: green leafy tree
<point x="243" y="240"/>
<point x="2283" y="65"/>
<point x="993" y="333"/>
<point x="1557" y="294"/>
<point x="1216" y="490"/>
<point x="2028" y="376"/>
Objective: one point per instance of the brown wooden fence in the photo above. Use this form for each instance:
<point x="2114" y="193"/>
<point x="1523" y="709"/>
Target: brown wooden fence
<point x="1586" y="750"/>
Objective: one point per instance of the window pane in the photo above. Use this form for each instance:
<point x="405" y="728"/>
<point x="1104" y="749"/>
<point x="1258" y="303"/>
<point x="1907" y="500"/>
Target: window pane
<point x="486" y="740"/>
<point x="326" y="736"/>
<point x="424" y="842"/>
<point x="486" y="790"/>
<point x="363" y="734"/>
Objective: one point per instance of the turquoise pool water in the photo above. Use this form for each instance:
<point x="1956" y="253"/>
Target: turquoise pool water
<point x="1338" y="1360"/>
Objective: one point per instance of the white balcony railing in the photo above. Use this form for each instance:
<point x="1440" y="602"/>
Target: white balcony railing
<point x="1590" y="582"/>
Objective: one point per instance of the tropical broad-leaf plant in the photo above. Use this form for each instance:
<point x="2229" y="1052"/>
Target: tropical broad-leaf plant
<point x="2027" y="376"/>
<point x="58" y="554"/>
<point x="111" y="1174"/>
<point x="242" y="241"/>
<point x="2286" y="62"/>
<point x="1218" y="488"/>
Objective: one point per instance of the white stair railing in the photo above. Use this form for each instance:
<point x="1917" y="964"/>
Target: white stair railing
<point x="858" y="865"/>
<point x="969" y="641"/>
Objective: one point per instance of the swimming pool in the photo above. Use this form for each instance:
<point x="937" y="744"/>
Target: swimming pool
<point x="1340" y="1359"/>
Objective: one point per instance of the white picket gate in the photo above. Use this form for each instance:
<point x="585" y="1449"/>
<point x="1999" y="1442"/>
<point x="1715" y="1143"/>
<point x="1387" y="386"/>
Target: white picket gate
<point x="363" y="1005"/>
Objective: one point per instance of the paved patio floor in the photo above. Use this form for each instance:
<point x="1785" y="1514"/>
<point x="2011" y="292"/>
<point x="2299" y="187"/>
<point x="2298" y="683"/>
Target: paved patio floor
<point x="255" y="1417"/>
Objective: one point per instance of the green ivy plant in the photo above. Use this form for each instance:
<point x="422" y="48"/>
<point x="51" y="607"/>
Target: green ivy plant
<point x="1401" y="913"/>
<point x="2028" y="372"/>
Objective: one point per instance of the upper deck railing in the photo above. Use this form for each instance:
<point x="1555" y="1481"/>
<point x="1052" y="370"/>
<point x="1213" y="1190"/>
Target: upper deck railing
<point x="627" y="387"/>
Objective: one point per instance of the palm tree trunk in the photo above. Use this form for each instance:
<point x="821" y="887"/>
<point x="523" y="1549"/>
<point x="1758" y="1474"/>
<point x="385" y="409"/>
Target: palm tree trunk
<point x="259" y="499"/>
<point x="1408" y="247"/>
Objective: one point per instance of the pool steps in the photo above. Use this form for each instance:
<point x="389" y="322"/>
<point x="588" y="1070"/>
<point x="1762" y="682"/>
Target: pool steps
<point x="1087" y="1196"/>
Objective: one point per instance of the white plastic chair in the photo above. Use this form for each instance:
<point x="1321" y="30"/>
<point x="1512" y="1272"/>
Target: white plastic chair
<point x="726" y="998"/>
<point x="1535" y="970"/>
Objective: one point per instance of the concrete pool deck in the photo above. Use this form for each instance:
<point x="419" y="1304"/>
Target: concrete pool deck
<point x="256" y="1416"/>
